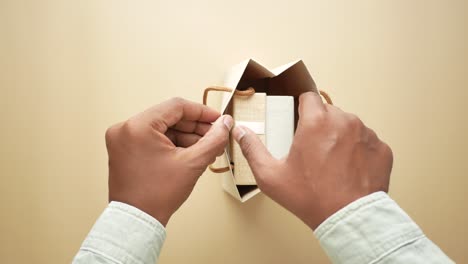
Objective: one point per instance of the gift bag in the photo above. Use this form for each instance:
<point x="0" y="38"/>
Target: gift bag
<point x="267" y="103"/>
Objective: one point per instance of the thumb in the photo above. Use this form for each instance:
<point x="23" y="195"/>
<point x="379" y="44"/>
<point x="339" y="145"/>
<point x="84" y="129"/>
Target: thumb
<point x="212" y="144"/>
<point x="257" y="155"/>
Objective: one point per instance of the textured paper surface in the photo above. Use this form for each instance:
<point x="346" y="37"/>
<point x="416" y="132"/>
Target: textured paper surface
<point x="279" y="125"/>
<point x="246" y="109"/>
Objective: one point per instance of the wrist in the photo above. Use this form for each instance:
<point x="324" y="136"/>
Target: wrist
<point x="160" y="215"/>
<point x="321" y="215"/>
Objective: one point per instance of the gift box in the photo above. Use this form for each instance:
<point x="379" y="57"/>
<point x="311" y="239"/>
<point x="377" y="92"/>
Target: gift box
<point x="259" y="99"/>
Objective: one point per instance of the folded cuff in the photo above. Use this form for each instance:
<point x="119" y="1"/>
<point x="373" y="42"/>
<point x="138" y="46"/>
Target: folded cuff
<point x="367" y="230"/>
<point x="125" y="234"/>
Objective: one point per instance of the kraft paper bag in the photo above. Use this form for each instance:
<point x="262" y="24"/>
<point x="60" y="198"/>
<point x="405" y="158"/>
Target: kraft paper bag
<point x="250" y="77"/>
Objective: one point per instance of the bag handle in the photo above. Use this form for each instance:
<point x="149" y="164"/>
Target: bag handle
<point x="250" y="91"/>
<point x="326" y="96"/>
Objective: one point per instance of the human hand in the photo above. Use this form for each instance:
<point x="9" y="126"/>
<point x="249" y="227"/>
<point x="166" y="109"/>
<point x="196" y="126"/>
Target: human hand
<point x="157" y="156"/>
<point x="334" y="160"/>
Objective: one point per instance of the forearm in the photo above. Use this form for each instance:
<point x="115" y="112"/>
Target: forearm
<point x="374" y="229"/>
<point x="122" y="234"/>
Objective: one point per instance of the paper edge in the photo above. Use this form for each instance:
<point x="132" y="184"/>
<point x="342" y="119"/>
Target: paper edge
<point x="280" y="69"/>
<point x="232" y="79"/>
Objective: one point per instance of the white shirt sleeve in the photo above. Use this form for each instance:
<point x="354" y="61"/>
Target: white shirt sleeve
<point x="374" y="229"/>
<point x="123" y="234"/>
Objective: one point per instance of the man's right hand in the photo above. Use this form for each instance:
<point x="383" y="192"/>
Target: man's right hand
<point x="334" y="160"/>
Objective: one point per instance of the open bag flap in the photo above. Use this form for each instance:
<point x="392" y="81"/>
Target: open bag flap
<point x="280" y="69"/>
<point x="293" y="81"/>
<point x="242" y="73"/>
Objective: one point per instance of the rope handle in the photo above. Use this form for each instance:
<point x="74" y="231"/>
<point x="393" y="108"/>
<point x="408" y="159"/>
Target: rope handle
<point x="326" y="97"/>
<point x="250" y="91"/>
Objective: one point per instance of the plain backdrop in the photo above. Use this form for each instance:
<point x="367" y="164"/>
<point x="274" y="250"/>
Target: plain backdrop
<point x="70" y="69"/>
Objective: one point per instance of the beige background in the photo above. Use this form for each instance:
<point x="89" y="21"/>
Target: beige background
<point x="69" y="69"/>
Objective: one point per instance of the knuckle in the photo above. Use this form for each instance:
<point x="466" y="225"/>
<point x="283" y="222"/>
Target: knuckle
<point x="159" y="125"/>
<point x="355" y="124"/>
<point x="112" y="133"/>
<point x="372" y="136"/>
<point x="371" y="133"/>
<point x="177" y="100"/>
<point x="354" y="121"/>
<point x="316" y="121"/>
<point x="387" y="151"/>
<point x="303" y="97"/>
<point x="127" y="127"/>
<point x="311" y="95"/>
<point x="130" y="130"/>
<point x="319" y="117"/>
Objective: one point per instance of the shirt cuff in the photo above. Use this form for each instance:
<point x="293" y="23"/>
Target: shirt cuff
<point x="367" y="230"/>
<point x="125" y="234"/>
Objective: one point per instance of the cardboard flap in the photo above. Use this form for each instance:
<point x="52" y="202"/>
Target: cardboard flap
<point x="293" y="81"/>
<point x="240" y="77"/>
<point x="253" y="72"/>
<point x="232" y="79"/>
<point x="282" y="68"/>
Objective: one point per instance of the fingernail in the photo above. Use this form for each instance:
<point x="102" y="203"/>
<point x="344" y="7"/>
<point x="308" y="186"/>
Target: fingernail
<point x="238" y="133"/>
<point x="227" y="120"/>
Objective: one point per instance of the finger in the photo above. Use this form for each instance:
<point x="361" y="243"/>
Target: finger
<point x="311" y="107"/>
<point x="170" y="112"/>
<point x="253" y="149"/>
<point x="204" y="152"/>
<point x="181" y="139"/>
<point x="372" y="137"/>
<point x="195" y="127"/>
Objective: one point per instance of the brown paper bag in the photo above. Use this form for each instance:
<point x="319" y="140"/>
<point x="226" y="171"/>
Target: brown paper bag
<point x="244" y="79"/>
